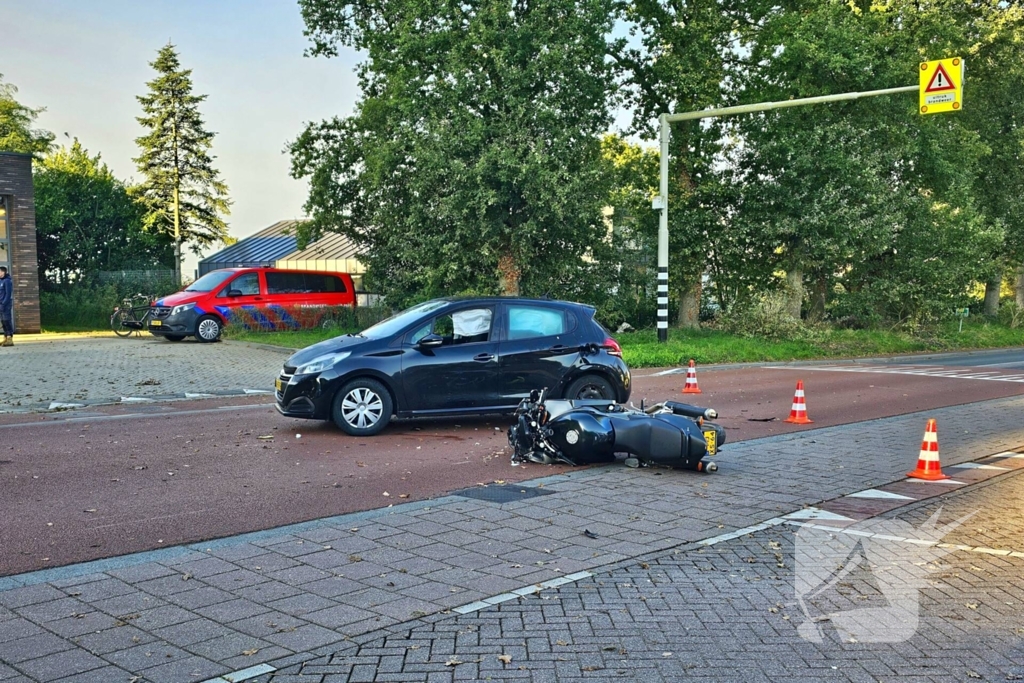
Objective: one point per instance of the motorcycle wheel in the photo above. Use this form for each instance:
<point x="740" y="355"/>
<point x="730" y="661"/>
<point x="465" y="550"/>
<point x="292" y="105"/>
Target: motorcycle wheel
<point x="590" y="387"/>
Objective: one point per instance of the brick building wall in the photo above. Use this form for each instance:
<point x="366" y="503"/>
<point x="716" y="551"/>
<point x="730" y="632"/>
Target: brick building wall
<point x="16" y="187"/>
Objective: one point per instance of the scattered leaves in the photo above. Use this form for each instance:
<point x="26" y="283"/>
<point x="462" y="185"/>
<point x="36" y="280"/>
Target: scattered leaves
<point x="505" y="659"/>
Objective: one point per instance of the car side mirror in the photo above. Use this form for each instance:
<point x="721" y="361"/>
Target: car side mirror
<point x="234" y="292"/>
<point x="430" y="341"/>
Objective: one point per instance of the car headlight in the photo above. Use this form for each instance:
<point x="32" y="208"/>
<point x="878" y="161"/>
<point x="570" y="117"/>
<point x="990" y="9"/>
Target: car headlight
<point x="182" y="308"/>
<point x="322" y="363"/>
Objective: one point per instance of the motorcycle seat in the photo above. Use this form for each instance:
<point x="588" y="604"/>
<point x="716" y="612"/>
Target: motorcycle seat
<point x="651" y="439"/>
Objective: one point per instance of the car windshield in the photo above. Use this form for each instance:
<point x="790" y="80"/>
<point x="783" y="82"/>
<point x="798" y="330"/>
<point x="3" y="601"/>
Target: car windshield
<point x="210" y="281"/>
<point x="397" y="322"/>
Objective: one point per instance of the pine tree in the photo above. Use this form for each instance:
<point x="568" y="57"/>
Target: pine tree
<point x="182" y="191"/>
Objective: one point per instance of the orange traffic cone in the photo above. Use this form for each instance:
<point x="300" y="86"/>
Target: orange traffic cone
<point x="798" y="413"/>
<point x="691" y="380"/>
<point x="928" y="466"/>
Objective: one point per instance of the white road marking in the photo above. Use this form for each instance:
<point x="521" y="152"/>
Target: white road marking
<point x="915" y="541"/>
<point x="977" y="466"/>
<point x="815" y="513"/>
<point x="965" y="373"/>
<point x="875" y="493"/>
<point x="243" y="674"/>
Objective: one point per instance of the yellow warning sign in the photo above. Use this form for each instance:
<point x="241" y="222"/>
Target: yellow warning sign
<point x="942" y="85"/>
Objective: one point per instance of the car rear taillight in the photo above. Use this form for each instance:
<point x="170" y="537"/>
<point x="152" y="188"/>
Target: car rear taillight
<point x="612" y="347"/>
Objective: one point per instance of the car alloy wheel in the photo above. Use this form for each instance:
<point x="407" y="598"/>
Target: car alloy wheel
<point x="362" y="407"/>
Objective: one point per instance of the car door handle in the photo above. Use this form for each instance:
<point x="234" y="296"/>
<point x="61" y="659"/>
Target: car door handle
<point x="258" y="298"/>
<point x="560" y="348"/>
<point x="483" y="357"/>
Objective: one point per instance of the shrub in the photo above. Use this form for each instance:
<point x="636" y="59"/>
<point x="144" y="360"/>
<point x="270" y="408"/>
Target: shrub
<point x="765" y="317"/>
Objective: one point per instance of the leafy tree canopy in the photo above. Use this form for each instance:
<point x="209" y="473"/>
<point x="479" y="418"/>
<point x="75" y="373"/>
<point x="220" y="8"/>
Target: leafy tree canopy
<point x="473" y="161"/>
<point x="16" y="132"/>
<point x="87" y="221"/>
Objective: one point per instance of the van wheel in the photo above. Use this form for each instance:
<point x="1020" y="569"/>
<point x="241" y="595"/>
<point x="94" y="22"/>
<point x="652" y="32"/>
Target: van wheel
<point x="362" y="407"/>
<point x="590" y="387"/>
<point x="208" y="328"/>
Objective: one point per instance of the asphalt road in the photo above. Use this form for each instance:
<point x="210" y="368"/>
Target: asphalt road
<point x="120" y="479"/>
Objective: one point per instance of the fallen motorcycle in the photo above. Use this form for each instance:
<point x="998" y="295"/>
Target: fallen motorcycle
<point x="583" y="432"/>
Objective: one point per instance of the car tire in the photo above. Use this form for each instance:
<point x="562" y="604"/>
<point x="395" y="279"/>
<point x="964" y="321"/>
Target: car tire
<point x="362" y="407"/>
<point x="174" y="337"/>
<point x="208" y="328"/>
<point x="590" y="387"/>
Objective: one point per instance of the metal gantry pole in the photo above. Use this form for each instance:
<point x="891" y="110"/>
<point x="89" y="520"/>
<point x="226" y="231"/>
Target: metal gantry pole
<point x="662" y="201"/>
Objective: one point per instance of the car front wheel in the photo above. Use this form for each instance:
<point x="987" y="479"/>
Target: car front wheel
<point x="590" y="387"/>
<point x="362" y="407"/>
<point x="208" y="329"/>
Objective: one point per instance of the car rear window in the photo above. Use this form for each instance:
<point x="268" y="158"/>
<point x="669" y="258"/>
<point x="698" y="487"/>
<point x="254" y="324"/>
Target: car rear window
<point x="527" y="322"/>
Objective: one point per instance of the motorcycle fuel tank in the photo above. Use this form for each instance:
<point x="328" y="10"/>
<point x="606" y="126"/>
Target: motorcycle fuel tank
<point x="583" y="437"/>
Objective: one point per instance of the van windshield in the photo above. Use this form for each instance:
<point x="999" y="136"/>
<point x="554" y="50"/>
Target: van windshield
<point x="210" y="281"/>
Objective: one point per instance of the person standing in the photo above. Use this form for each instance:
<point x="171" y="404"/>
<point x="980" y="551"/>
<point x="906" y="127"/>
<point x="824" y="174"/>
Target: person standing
<point x="7" y="306"/>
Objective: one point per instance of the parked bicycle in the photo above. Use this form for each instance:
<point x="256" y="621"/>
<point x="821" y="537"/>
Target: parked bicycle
<point x="132" y="315"/>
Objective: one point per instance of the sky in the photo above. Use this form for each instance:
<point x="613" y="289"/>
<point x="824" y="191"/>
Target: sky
<point x="86" y="61"/>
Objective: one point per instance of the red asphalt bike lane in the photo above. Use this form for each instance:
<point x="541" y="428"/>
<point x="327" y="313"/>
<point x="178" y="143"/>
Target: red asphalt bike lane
<point x="119" y="479"/>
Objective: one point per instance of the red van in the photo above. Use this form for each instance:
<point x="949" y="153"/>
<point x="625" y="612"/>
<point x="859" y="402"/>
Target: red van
<point x="202" y="309"/>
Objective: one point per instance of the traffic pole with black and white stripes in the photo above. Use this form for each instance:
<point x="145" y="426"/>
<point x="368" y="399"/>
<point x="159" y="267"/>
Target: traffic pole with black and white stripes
<point x="663" y="234"/>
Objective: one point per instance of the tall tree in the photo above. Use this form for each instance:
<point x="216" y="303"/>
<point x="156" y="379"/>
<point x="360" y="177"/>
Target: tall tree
<point x="679" y="59"/>
<point x="473" y="161"/>
<point x="16" y="119"/>
<point x="847" y="196"/>
<point x="182" y="191"/>
<point x="87" y="221"/>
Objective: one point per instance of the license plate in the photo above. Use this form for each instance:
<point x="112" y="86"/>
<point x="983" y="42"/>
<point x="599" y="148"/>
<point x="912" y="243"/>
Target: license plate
<point x="155" y="323"/>
<point x="278" y="384"/>
<point x="711" y="437"/>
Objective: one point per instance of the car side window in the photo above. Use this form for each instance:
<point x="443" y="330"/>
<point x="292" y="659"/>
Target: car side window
<point x="527" y="322"/>
<point x="243" y="285"/>
<point x="461" y="327"/>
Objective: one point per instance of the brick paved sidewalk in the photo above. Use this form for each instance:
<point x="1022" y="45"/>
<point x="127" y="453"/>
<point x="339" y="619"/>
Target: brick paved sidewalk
<point x="274" y="599"/>
<point x="85" y="371"/>
<point x="722" y="613"/>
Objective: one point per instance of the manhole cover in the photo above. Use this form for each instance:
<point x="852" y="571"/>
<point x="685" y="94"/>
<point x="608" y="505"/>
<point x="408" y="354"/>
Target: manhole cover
<point x="501" y="493"/>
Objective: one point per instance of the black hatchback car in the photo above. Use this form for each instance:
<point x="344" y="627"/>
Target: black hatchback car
<point x="454" y="357"/>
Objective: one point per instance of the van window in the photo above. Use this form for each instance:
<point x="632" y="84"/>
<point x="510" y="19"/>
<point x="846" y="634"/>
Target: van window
<point x="304" y="283"/>
<point x="243" y="285"/>
<point x="210" y="281"/>
<point x="286" y="283"/>
<point x="324" y="284"/>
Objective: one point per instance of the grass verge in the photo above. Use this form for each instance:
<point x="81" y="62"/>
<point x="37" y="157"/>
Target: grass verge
<point x="642" y="350"/>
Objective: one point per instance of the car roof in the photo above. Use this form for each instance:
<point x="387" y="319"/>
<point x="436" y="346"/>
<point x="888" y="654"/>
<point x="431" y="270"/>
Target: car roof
<point x="512" y="299"/>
